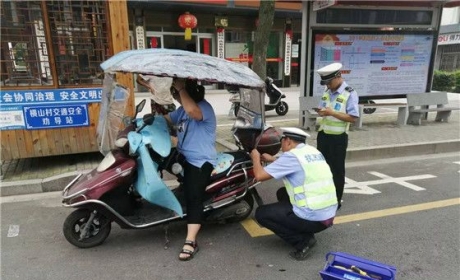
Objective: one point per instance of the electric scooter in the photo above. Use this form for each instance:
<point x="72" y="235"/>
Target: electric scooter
<point x="274" y="93"/>
<point x="127" y="187"/>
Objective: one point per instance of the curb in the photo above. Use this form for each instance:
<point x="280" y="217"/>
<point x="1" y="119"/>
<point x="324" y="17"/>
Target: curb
<point x="402" y="150"/>
<point x="57" y="183"/>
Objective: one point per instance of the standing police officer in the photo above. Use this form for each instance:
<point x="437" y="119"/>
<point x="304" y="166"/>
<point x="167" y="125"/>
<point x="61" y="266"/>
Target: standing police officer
<point x="308" y="203"/>
<point x="339" y="108"/>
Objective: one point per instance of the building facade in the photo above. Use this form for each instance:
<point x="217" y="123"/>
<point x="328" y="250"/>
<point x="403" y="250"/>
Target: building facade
<point x="448" y="52"/>
<point x="224" y="29"/>
<point x="51" y="51"/>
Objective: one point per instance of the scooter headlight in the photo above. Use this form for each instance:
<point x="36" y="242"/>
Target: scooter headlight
<point x="108" y="160"/>
<point x="121" y="142"/>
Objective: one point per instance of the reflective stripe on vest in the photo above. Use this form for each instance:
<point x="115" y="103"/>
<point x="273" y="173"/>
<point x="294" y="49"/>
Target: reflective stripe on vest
<point x="318" y="188"/>
<point x="330" y="124"/>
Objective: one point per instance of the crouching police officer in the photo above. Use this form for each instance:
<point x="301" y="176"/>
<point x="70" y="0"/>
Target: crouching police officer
<point x="308" y="203"/>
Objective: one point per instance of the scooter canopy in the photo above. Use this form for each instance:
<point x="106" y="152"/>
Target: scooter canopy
<point x="183" y="64"/>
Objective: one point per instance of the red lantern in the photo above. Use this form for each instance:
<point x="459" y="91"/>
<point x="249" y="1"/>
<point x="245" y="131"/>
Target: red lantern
<point x="188" y="21"/>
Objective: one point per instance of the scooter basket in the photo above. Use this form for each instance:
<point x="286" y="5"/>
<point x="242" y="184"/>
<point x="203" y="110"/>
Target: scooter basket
<point x="341" y="266"/>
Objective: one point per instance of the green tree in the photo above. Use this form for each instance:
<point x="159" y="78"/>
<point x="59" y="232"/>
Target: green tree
<point x="266" y="16"/>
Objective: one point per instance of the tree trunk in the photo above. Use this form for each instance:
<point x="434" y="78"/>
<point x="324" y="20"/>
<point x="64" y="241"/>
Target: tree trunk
<point x="266" y="15"/>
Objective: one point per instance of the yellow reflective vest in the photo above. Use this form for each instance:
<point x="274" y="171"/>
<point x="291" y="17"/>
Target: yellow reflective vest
<point x="330" y="124"/>
<point x="318" y="188"/>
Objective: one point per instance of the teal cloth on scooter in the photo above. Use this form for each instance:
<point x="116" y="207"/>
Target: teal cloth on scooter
<point x="156" y="136"/>
<point x="148" y="184"/>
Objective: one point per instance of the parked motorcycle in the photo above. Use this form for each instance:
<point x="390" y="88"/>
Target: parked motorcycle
<point x="275" y="96"/>
<point x="127" y="187"/>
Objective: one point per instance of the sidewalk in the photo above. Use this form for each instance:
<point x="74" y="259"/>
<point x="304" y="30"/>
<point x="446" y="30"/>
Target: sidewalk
<point x="380" y="138"/>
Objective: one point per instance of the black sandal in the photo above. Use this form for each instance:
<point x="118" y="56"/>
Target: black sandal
<point x="190" y="253"/>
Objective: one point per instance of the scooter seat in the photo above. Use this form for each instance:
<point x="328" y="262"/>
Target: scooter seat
<point x="225" y="161"/>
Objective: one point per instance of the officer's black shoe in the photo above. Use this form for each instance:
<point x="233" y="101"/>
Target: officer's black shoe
<point x="302" y="254"/>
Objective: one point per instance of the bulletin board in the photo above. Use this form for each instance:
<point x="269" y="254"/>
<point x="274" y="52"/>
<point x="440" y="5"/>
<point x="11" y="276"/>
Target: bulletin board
<point x="375" y="64"/>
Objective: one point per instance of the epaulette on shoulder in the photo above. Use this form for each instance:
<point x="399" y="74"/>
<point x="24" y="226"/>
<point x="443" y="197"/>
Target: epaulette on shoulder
<point x="349" y="89"/>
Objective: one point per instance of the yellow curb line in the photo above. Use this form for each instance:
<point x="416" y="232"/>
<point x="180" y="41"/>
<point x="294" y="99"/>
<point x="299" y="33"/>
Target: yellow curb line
<point x="254" y="230"/>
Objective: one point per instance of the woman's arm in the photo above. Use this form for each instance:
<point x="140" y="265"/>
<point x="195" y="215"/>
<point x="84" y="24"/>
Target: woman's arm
<point x="191" y="108"/>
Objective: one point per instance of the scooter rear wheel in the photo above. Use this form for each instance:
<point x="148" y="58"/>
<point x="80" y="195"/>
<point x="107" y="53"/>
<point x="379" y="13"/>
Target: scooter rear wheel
<point x="282" y="108"/>
<point x="241" y="217"/>
<point x="98" y="231"/>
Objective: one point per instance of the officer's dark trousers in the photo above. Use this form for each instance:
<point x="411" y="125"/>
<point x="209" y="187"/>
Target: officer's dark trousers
<point x="334" y="150"/>
<point x="279" y="218"/>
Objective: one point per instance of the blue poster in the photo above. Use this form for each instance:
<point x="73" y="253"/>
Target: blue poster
<point x="56" y="116"/>
<point x="40" y="96"/>
<point x="46" y="108"/>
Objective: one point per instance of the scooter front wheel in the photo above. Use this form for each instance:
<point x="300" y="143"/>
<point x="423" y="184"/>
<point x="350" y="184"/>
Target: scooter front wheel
<point x="282" y="108"/>
<point x="96" y="233"/>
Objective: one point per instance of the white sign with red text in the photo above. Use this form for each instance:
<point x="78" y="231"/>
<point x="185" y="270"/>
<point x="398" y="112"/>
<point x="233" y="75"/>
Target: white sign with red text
<point x="140" y="37"/>
<point x="287" y="55"/>
<point x="221" y="44"/>
<point x="449" y="39"/>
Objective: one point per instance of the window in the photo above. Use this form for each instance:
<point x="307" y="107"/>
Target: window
<point x="79" y="42"/>
<point x="24" y="52"/>
<point x="450" y="57"/>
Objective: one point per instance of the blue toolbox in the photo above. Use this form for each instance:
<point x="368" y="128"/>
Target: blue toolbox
<point x="343" y="266"/>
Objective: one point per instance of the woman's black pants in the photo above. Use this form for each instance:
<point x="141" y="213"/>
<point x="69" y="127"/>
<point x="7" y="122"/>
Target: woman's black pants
<point x="195" y="181"/>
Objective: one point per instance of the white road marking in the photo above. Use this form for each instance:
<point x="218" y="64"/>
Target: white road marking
<point x="352" y="186"/>
<point x="457" y="162"/>
<point x="13" y="231"/>
<point x="402" y="183"/>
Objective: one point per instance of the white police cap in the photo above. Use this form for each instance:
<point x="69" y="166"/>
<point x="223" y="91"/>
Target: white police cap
<point x="329" y="72"/>
<point x="295" y="133"/>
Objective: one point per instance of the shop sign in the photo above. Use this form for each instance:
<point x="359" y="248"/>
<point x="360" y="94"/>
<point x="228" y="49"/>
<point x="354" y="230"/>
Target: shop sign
<point x="449" y="39"/>
<point x="322" y="4"/>
<point x="221" y="43"/>
<point x="287" y="55"/>
<point x="140" y="40"/>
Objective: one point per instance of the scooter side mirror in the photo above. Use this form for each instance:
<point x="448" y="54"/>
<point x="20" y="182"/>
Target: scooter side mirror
<point x="148" y="119"/>
<point x="140" y="107"/>
<point x="127" y="121"/>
